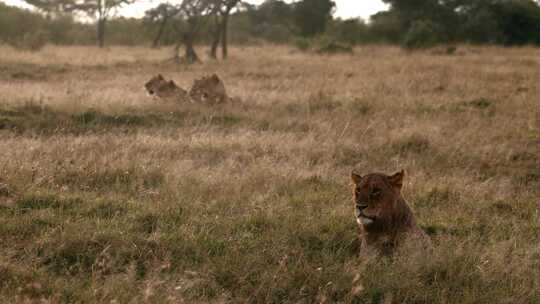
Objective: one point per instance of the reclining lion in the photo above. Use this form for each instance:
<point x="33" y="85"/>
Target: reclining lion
<point x="208" y="89"/>
<point x="161" y="88"/>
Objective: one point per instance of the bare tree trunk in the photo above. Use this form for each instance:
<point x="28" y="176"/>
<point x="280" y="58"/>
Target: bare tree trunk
<point x="216" y="36"/>
<point x="176" y="56"/>
<point x="190" y="55"/>
<point x="215" y="44"/>
<point x="101" y="31"/>
<point x="224" y="34"/>
<point x="161" y="29"/>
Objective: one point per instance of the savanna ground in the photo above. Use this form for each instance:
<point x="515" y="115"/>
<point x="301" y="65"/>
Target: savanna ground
<point x="109" y="196"/>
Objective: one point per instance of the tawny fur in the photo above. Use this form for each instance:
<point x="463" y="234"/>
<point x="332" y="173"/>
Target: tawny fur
<point x="208" y="89"/>
<point x="385" y="220"/>
<point x="161" y="88"/>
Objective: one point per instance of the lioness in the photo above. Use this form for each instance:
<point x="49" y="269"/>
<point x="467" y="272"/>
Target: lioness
<point x="208" y="89"/>
<point x="158" y="86"/>
<point x="384" y="218"/>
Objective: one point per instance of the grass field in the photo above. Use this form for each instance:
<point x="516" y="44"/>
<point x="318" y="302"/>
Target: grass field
<point x="109" y="196"/>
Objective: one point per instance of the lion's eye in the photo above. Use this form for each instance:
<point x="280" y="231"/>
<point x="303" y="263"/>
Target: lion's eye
<point x="375" y="192"/>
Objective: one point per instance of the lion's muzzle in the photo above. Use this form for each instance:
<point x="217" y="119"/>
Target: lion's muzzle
<point x="361" y="218"/>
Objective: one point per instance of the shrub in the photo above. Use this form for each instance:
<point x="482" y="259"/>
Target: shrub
<point x="326" y="45"/>
<point x="32" y="41"/>
<point x="422" y="34"/>
<point x="302" y="44"/>
<point x="445" y="50"/>
<point x="274" y="33"/>
<point x="450" y="50"/>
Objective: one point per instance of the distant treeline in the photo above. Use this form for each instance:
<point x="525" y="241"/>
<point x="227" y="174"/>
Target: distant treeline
<point x="412" y="23"/>
<point x="26" y="29"/>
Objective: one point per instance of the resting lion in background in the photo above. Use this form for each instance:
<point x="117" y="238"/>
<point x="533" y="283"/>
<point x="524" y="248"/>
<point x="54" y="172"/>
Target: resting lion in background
<point x="384" y="218"/>
<point x="158" y="86"/>
<point x="208" y="89"/>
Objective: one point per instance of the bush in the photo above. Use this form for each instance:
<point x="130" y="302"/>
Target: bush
<point x="519" y="21"/>
<point x="481" y="26"/>
<point x="274" y="33"/>
<point x="351" y="31"/>
<point x="386" y="27"/>
<point x="445" y="50"/>
<point x="302" y="44"/>
<point x="422" y="34"/>
<point x="450" y="49"/>
<point x="21" y="28"/>
<point x="33" y="41"/>
<point x="326" y="45"/>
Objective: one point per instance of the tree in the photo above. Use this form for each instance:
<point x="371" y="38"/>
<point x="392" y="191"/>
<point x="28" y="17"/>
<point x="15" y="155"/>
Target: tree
<point x="483" y="21"/>
<point x="479" y="24"/>
<point x="221" y="24"/>
<point x="311" y="16"/>
<point x="196" y="14"/>
<point x="350" y="31"/>
<point x="270" y="12"/>
<point x="386" y="27"/>
<point x="29" y="30"/>
<point x="440" y="13"/>
<point x="100" y="10"/>
<point x="421" y="34"/>
<point x="273" y="20"/>
<point x="519" y="21"/>
<point x="161" y="15"/>
<point x="511" y="22"/>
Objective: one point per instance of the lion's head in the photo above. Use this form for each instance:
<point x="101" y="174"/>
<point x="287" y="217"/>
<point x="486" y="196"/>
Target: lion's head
<point x="158" y="86"/>
<point x="209" y="89"/>
<point x="384" y="218"/>
<point x="153" y="85"/>
<point x="378" y="201"/>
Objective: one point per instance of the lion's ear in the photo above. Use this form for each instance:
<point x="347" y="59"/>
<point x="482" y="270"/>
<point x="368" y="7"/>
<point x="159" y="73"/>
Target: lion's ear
<point x="397" y="179"/>
<point x="159" y="76"/>
<point x="355" y="178"/>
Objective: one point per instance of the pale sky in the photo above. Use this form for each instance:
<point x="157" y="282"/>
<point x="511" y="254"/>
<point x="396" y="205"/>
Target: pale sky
<point x="345" y="8"/>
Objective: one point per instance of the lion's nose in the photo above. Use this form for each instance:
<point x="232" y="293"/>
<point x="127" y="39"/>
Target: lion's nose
<point x="361" y="207"/>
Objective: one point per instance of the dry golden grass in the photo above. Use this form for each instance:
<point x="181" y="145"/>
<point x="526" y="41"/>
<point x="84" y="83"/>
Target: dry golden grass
<point x="107" y="195"/>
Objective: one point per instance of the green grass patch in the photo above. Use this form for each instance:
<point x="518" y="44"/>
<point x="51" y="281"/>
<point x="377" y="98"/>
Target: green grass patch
<point x="99" y="253"/>
<point x="132" y="179"/>
<point x="35" y="118"/>
<point x="30" y="203"/>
